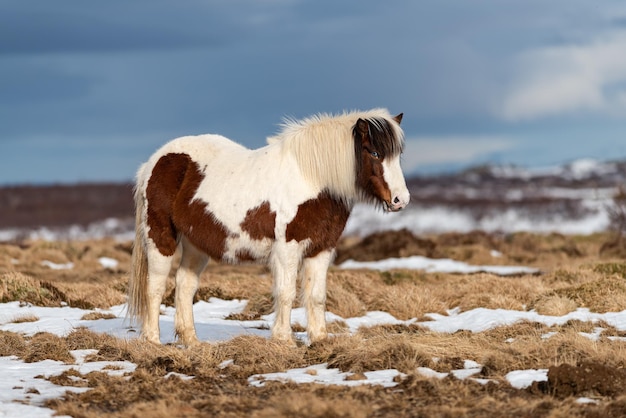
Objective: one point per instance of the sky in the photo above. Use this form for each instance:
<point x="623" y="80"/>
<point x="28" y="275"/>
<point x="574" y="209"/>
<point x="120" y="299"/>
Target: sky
<point x="89" y="90"/>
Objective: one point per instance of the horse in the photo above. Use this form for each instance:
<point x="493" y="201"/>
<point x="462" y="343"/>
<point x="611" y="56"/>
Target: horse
<point x="284" y="204"/>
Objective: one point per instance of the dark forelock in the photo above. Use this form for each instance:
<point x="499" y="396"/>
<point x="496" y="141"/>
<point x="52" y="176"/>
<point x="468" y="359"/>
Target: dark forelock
<point x="383" y="137"/>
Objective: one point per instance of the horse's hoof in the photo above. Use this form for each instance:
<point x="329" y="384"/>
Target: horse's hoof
<point x="317" y="342"/>
<point x="291" y="343"/>
<point x="318" y="337"/>
<point x="189" y="342"/>
<point x="151" y="340"/>
<point x="287" y="340"/>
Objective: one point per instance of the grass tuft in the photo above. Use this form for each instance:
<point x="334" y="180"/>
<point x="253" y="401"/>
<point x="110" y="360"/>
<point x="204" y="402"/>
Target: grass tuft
<point x="47" y="346"/>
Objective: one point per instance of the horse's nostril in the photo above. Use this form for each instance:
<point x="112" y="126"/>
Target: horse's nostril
<point x="396" y="200"/>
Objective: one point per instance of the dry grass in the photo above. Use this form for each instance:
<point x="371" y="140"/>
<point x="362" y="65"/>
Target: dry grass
<point x="573" y="276"/>
<point x="15" y="286"/>
<point x="11" y="343"/>
<point x="92" y="316"/>
<point x="47" y="346"/>
<point x="25" y="318"/>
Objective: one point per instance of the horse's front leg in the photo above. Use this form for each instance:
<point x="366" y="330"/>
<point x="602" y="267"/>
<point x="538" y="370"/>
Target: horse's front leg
<point x="284" y="262"/>
<point x="313" y="278"/>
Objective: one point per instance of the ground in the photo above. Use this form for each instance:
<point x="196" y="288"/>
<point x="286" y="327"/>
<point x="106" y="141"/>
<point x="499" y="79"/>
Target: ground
<point x="585" y="376"/>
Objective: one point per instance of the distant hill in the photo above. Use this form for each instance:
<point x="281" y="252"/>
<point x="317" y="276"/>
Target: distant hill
<point x="64" y="205"/>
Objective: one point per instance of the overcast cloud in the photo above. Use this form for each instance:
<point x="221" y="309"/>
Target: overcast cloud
<point x="88" y="90"/>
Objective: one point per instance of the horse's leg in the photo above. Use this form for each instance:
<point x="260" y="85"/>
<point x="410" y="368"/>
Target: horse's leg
<point x="192" y="263"/>
<point x="158" y="270"/>
<point x="284" y="262"/>
<point x="313" y="278"/>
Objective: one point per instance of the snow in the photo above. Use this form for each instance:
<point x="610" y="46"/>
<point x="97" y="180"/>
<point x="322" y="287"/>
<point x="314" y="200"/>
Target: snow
<point x="442" y="265"/>
<point x="320" y="373"/>
<point x="470" y="368"/>
<point x="521" y="379"/>
<point x="108" y="263"/>
<point x="585" y="167"/>
<point x="57" y="266"/>
<point x="428" y="372"/>
<point x="366" y="220"/>
<point x="578" y="169"/>
<point x="585" y="400"/>
<point x="483" y="319"/>
<point x="18" y="382"/>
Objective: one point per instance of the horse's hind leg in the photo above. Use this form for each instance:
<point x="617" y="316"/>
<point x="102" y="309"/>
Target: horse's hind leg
<point x="158" y="270"/>
<point x="313" y="282"/>
<point x="191" y="265"/>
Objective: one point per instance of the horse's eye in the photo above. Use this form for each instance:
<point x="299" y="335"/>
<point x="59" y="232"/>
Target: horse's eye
<point x="375" y="154"/>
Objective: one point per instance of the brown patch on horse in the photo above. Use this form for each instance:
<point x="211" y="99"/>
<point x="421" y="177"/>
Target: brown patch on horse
<point x="370" y="174"/>
<point x="172" y="208"/>
<point x="259" y="222"/>
<point x="321" y="220"/>
<point x="161" y="191"/>
<point x="374" y="140"/>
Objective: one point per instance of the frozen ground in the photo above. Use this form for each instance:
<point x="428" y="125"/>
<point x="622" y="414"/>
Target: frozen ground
<point x="435" y="219"/>
<point x="22" y="394"/>
<point x="569" y="199"/>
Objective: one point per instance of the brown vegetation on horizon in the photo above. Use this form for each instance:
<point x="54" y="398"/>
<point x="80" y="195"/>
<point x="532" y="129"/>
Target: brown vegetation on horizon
<point x="64" y="205"/>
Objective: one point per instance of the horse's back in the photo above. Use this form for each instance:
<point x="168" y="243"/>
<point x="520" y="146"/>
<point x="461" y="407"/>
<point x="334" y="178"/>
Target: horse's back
<point x="201" y="147"/>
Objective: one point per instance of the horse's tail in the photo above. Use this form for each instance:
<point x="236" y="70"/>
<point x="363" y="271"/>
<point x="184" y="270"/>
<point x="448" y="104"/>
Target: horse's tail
<point x="138" y="281"/>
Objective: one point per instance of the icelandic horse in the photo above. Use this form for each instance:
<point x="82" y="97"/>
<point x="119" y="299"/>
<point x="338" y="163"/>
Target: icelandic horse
<point x="285" y="204"/>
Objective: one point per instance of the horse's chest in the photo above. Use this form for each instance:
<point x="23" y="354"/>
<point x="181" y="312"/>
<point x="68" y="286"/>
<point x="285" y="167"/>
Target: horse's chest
<point x="319" y="222"/>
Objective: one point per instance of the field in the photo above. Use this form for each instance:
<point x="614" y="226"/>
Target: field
<point x="584" y="360"/>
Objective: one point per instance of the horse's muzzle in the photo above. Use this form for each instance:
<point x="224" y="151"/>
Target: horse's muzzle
<point x="397" y="206"/>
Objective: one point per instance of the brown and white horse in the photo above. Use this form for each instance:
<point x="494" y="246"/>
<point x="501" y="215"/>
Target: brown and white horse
<point x="285" y="204"/>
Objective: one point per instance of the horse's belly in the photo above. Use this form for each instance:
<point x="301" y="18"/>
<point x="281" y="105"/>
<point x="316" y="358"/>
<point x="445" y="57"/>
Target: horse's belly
<point x="240" y="250"/>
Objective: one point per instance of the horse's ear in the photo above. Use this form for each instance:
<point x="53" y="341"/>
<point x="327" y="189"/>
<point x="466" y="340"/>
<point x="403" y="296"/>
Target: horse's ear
<point x="398" y="118"/>
<point x="362" y="127"/>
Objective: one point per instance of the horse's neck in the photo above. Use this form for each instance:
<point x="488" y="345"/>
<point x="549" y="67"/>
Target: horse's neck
<point x="323" y="168"/>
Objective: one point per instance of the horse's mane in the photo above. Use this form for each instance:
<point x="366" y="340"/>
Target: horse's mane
<point x="323" y="145"/>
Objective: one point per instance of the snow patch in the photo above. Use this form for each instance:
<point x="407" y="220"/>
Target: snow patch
<point x="430" y="265"/>
<point x="108" y="263"/>
<point x="321" y="374"/>
<point x="521" y="379"/>
<point x="57" y="266"/>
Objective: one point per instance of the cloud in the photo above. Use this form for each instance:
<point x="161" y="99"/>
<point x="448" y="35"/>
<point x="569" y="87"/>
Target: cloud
<point x="88" y="31"/>
<point x="450" y="150"/>
<point x="569" y="78"/>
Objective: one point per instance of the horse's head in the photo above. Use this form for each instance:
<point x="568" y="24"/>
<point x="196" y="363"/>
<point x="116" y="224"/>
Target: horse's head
<point x="378" y="143"/>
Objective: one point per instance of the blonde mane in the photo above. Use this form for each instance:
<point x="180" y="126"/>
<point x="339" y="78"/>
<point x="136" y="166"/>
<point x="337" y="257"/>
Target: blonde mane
<point x="323" y="145"/>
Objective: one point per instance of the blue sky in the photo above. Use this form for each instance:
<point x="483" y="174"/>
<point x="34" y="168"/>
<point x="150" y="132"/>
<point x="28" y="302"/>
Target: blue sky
<point x="88" y="90"/>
